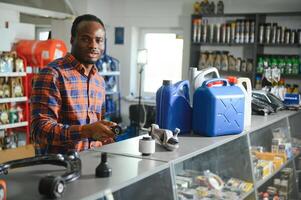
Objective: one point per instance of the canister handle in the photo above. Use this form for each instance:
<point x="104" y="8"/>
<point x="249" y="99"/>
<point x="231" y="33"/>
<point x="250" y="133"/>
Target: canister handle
<point x="210" y="82"/>
<point x="183" y="87"/>
<point x="247" y="82"/>
<point x="201" y="75"/>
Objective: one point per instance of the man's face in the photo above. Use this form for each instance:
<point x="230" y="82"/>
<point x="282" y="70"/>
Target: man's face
<point x="89" y="42"/>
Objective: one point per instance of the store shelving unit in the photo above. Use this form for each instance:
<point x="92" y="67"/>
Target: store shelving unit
<point x="113" y="98"/>
<point x="23" y="101"/>
<point x="250" y="50"/>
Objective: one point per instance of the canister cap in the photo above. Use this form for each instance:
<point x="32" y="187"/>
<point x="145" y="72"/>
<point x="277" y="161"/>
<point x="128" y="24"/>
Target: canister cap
<point x="167" y="82"/>
<point x="232" y="80"/>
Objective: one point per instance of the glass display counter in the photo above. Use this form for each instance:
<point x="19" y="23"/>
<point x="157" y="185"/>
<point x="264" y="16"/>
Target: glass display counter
<point x="251" y="165"/>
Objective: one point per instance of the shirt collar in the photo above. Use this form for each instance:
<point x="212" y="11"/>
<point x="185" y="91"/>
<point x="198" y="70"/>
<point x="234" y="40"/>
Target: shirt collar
<point x="77" y="65"/>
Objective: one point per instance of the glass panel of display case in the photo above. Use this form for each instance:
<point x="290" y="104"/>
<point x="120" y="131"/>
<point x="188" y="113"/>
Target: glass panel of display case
<point x="155" y="187"/>
<point x="264" y="137"/>
<point x="221" y="173"/>
<point x="272" y="155"/>
<point x="295" y="129"/>
<point x="280" y="186"/>
<point x="251" y="196"/>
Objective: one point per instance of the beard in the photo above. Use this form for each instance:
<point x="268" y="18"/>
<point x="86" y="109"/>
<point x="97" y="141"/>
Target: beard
<point x="83" y="59"/>
<point x="88" y="61"/>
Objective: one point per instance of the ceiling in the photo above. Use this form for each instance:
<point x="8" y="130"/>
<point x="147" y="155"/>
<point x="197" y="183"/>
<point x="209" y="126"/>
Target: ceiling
<point x="38" y="7"/>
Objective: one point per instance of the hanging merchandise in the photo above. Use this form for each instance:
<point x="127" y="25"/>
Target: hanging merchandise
<point x="173" y="106"/>
<point x="218" y="108"/>
<point x="110" y="83"/>
<point x="40" y="53"/>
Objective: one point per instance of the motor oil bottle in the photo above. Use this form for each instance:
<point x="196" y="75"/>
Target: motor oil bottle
<point x="199" y="76"/>
<point x="245" y="85"/>
<point x="173" y="109"/>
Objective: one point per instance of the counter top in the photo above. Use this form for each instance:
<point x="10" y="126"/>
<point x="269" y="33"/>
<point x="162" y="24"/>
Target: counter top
<point x="190" y="145"/>
<point x="23" y="183"/>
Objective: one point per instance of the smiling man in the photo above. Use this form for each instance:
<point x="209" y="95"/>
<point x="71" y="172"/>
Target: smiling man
<point x="67" y="95"/>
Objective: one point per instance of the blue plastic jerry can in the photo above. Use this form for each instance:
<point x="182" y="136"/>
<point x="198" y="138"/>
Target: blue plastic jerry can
<point x="218" y="108"/>
<point x="173" y="109"/>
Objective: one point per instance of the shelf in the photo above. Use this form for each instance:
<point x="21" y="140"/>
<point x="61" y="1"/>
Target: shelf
<point x="11" y="100"/>
<point x="281" y="14"/>
<point x="13" y="74"/>
<point x="111" y="113"/>
<point x="245" y="195"/>
<point x="15" y="125"/>
<point x="248" y="14"/>
<point x="222" y="44"/>
<point x="236" y="73"/>
<point x="111" y="92"/>
<point x="297" y="76"/>
<point x="112" y="73"/>
<point x="225" y="15"/>
<point x="280" y="45"/>
<point x="267" y="178"/>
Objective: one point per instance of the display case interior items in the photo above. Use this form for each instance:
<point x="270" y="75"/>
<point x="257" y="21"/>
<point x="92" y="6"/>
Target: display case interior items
<point x="280" y="186"/>
<point x="234" y="43"/>
<point x="221" y="173"/>
<point x="14" y="110"/>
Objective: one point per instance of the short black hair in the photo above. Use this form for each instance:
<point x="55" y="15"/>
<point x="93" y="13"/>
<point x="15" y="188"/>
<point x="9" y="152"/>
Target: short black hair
<point x="86" y="17"/>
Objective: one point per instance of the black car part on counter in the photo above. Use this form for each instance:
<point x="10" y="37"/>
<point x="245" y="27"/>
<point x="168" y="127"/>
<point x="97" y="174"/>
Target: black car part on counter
<point x="50" y="186"/>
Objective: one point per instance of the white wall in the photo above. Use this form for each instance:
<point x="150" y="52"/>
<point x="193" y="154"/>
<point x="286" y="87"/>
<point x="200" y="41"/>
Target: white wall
<point x="15" y="29"/>
<point x="136" y="14"/>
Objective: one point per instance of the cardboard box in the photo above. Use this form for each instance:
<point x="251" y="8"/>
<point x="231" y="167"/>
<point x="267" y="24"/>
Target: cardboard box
<point x="17" y="153"/>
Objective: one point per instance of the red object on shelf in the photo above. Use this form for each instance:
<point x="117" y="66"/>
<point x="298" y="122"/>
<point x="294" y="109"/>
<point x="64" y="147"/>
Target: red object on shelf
<point x="39" y="53"/>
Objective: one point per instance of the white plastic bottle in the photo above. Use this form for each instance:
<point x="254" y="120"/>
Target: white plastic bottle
<point x="245" y="85"/>
<point x="197" y="77"/>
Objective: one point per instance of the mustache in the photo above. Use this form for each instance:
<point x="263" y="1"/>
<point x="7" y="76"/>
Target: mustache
<point x="98" y="51"/>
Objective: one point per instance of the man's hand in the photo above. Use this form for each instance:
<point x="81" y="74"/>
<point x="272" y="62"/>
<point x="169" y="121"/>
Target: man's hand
<point x="99" y="130"/>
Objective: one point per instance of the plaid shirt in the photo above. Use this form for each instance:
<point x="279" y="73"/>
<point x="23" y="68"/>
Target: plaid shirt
<point x="63" y="96"/>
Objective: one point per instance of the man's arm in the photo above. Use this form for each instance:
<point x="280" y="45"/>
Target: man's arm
<point x="45" y="108"/>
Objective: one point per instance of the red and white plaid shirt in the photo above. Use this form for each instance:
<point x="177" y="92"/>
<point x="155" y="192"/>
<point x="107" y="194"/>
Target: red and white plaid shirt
<point x="63" y="96"/>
